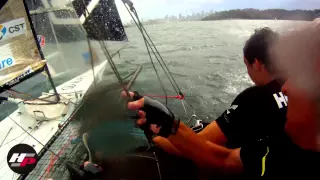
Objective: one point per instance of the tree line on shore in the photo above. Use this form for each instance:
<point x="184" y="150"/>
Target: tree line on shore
<point x="279" y="14"/>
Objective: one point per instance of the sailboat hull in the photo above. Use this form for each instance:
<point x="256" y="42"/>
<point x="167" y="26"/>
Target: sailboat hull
<point x="19" y="122"/>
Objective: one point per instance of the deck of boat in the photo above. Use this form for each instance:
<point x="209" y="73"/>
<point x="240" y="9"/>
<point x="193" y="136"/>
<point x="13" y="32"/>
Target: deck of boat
<point x="68" y="146"/>
<point x="15" y="128"/>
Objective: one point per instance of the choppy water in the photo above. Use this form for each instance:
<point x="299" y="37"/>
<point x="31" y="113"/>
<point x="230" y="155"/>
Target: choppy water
<point x="204" y="57"/>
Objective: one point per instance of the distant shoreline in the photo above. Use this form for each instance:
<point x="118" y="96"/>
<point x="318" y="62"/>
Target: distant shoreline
<point x="162" y="22"/>
<point x="268" y="14"/>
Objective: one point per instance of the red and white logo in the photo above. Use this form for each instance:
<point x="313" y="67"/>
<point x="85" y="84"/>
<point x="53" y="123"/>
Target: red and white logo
<point x="22" y="159"/>
<point x="41" y="40"/>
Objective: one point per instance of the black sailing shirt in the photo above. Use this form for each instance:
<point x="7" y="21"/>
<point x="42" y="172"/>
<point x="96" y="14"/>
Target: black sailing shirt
<point x="254" y="114"/>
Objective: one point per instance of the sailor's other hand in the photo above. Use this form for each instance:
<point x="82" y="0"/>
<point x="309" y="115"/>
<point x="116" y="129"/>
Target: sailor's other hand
<point x="153" y="115"/>
<point x="92" y="171"/>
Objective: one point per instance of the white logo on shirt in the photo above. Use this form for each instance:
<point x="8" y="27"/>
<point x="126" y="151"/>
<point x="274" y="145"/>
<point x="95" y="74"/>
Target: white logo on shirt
<point x="234" y="107"/>
<point x="280" y="99"/>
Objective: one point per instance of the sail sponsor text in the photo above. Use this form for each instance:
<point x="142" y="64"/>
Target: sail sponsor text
<point x="12" y="29"/>
<point x="27" y="72"/>
<point x="6" y="57"/>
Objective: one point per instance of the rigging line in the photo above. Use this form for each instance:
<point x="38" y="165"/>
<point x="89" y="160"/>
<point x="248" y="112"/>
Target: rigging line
<point x="33" y="136"/>
<point x="129" y="75"/>
<point x="33" y="98"/>
<point x="105" y="50"/>
<point x="14" y="139"/>
<point x="67" y="98"/>
<point x="158" y="165"/>
<point x="177" y="91"/>
<point x="24" y="138"/>
<point x="135" y="12"/>
<point x="156" y="71"/>
<point x="118" y="52"/>
<point x="6" y="136"/>
<point x="113" y="66"/>
<point x="170" y="74"/>
<point x="141" y="26"/>
<point x="48" y="134"/>
<point x="107" y="54"/>
<point x="28" y="95"/>
<point x="185" y="110"/>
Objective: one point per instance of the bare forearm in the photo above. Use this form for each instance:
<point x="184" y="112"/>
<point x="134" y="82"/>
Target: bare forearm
<point x="213" y="133"/>
<point x="166" y="145"/>
<point x="210" y="133"/>
<point x="202" y="152"/>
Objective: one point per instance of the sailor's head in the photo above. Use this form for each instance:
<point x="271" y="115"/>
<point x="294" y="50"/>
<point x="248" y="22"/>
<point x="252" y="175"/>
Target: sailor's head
<point x="257" y="55"/>
<point x="299" y="54"/>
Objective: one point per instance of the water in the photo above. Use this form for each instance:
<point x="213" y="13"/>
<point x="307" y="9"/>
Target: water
<point x="205" y="57"/>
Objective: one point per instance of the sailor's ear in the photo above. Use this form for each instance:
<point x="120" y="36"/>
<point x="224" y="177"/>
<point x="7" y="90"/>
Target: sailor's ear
<point x="257" y="65"/>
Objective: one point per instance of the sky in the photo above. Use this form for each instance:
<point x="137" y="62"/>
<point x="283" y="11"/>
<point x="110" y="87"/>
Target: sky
<point x="153" y="9"/>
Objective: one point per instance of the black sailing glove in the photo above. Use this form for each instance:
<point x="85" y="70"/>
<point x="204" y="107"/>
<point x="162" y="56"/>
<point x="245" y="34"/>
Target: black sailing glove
<point x="159" y="119"/>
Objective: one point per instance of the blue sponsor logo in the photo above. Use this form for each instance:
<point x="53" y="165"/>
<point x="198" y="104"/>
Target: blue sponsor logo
<point x="3" y="31"/>
<point x="6" y="63"/>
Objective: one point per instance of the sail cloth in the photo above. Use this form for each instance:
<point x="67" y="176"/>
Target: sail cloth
<point x="19" y="55"/>
<point x="62" y="24"/>
<point x="101" y="19"/>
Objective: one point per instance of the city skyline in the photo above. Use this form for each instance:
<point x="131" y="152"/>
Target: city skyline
<point x="181" y="17"/>
<point x="246" y="13"/>
<point x="158" y="9"/>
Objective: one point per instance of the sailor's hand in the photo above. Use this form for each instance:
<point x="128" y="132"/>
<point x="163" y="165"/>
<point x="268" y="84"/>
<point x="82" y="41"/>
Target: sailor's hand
<point x="92" y="171"/>
<point x="154" y="116"/>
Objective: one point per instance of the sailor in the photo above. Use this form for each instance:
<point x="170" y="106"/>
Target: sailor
<point x="256" y="111"/>
<point x="292" y="152"/>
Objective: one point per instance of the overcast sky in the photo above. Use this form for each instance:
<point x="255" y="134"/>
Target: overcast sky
<point x="151" y="9"/>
